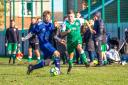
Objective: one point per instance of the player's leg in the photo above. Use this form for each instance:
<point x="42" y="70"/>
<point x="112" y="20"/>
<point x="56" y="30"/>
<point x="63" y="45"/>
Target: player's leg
<point x="70" y="62"/>
<point x="14" y="50"/>
<point x="104" y="58"/>
<point x="103" y="55"/>
<point x="30" y="53"/>
<point x="70" y="49"/>
<point x="78" y="61"/>
<point x="36" y="66"/>
<point x="62" y="49"/>
<point x="64" y="57"/>
<point x="46" y="49"/>
<point x="56" y="55"/>
<point x="104" y="49"/>
<point x="37" y="53"/>
<point x="49" y="49"/>
<point x="9" y="51"/>
<point x="82" y="55"/>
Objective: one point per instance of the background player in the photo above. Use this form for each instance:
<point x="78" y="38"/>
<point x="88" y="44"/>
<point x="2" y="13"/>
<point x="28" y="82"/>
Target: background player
<point x="33" y="43"/>
<point x="12" y="40"/>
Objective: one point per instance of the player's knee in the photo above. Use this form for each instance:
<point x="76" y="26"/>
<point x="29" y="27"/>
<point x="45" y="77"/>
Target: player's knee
<point x="30" y="50"/>
<point x="57" y="53"/>
<point x="82" y="51"/>
<point x="36" y="51"/>
<point x="9" y="52"/>
<point x="14" y="52"/>
<point x="79" y="48"/>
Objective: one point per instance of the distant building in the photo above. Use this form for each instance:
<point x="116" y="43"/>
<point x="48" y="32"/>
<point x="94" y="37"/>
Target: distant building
<point x="29" y="7"/>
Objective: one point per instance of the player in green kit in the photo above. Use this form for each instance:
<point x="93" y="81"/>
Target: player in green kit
<point x="71" y="28"/>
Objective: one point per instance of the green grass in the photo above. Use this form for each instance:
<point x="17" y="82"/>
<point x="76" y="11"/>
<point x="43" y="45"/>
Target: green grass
<point x="108" y="75"/>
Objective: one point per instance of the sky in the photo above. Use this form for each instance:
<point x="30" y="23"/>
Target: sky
<point x="58" y="5"/>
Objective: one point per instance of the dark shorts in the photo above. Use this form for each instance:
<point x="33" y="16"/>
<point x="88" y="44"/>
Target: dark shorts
<point x="34" y="46"/>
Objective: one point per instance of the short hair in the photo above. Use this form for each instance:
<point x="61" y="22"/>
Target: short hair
<point x="70" y="12"/>
<point x="12" y="20"/>
<point x="47" y="12"/>
<point x="38" y="18"/>
<point x="98" y="14"/>
<point x="84" y="2"/>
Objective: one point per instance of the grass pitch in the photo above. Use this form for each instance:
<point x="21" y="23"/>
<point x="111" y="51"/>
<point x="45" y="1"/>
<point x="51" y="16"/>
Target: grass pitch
<point x="107" y="75"/>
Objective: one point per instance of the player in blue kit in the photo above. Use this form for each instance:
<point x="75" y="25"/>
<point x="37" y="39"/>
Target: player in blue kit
<point x="44" y="31"/>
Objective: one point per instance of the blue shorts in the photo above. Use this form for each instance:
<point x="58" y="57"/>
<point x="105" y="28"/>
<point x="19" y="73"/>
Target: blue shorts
<point x="47" y="49"/>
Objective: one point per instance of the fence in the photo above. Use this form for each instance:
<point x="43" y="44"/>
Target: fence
<point x="114" y="13"/>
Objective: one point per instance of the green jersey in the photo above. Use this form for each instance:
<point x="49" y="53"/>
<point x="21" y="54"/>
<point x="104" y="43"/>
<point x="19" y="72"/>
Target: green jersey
<point x="74" y="34"/>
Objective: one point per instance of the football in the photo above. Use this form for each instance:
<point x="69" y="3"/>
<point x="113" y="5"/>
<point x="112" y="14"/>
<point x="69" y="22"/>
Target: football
<point x="54" y="71"/>
<point x="95" y="62"/>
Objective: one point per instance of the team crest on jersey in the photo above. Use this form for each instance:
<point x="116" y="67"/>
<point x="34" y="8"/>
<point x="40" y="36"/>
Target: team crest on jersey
<point x="77" y="23"/>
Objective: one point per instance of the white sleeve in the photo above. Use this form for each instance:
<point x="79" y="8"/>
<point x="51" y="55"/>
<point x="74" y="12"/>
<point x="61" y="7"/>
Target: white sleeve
<point x="27" y="36"/>
<point x="63" y="29"/>
<point x="82" y="21"/>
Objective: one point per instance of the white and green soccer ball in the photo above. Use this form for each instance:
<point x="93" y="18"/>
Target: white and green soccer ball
<point x="95" y="62"/>
<point x="54" y="71"/>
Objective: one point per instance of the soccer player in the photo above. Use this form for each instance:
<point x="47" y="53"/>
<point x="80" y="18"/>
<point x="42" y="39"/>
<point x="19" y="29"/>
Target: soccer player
<point x="74" y="39"/>
<point x="61" y="47"/>
<point x="12" y="41"/>
<point x="33" y="43"/>
<point x="44" y="31"/>
<point x="104" y="49"/>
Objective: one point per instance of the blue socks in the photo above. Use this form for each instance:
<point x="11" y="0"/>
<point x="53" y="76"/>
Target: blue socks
<point x="39" y="65"/>
<point x="57" y="62"/>
<point x="42" y="63"/>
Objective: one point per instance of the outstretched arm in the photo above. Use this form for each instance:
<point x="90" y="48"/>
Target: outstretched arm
<point x="27" y="36"/>
<point x="64" y="33"/>
<point x="89" y="26"/>
<point x="62" y="41"/>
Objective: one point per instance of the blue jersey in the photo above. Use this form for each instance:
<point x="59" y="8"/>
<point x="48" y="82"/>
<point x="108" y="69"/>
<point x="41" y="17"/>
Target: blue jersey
<point x="43" y="31"/>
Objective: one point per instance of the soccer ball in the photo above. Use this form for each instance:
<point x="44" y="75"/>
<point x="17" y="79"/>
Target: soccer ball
<point x="54" y="71"/>
<point x="95" y="62"/>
